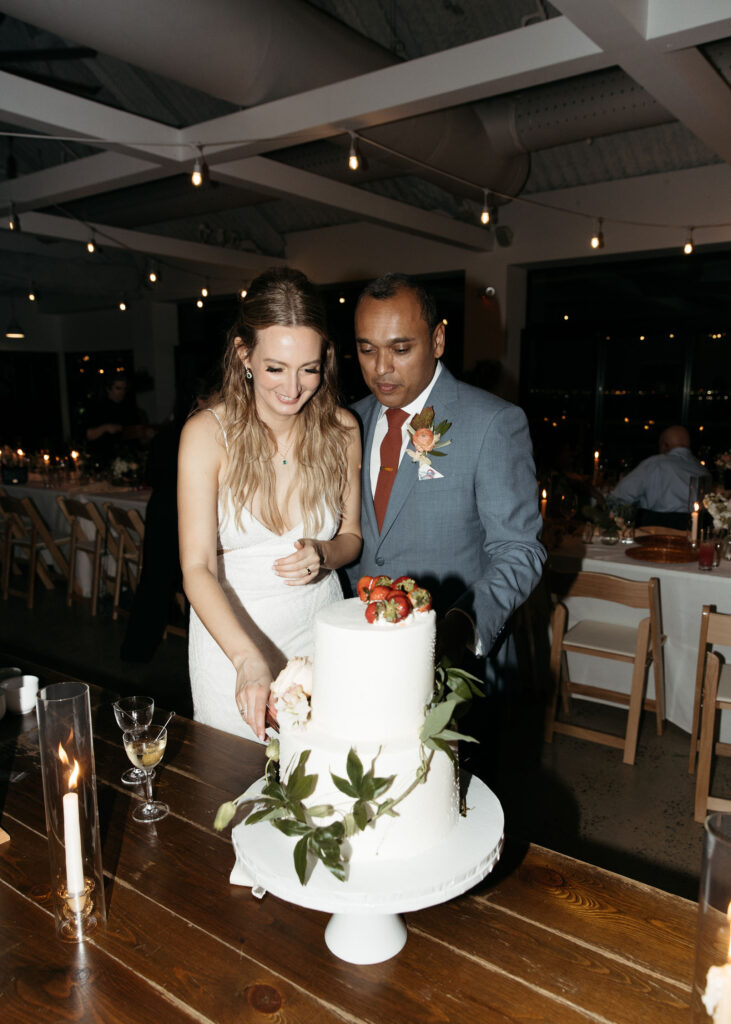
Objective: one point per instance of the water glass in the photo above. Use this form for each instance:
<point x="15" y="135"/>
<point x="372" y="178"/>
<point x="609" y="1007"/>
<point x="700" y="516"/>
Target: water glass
<point x="133" y="713"/>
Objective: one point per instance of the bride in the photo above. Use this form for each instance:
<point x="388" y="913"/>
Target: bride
<point x="269" y="502"/>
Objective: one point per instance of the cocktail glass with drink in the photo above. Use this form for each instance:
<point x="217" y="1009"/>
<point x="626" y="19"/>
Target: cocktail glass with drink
<point x="145" y="748"/>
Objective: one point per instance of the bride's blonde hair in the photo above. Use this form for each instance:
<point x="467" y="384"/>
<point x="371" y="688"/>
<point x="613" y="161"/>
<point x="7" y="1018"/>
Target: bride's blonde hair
<point x="282" y="297"/>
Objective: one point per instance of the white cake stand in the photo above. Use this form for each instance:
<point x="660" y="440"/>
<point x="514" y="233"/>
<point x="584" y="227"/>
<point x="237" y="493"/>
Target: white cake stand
<point x="366" y="926"/>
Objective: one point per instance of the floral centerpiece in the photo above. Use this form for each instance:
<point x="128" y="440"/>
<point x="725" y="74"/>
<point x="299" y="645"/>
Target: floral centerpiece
<point x="125" y="471"/>
<point x="719" y="508"/>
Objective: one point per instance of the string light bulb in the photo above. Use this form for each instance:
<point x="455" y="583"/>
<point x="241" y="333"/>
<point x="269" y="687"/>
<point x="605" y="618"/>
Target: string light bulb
<point x="153" y="274"/>
<point x="353" y="154"/>
<point x="485" y="215"/>
<point x="122" y="305"/>
<point x="243" y="293"/>
<point x="200" y="169"/>
<point x="204" y="290"/>
<point x="200" y="303"/>
<point x="689" y="247"/>
<point x="13" y="218"/>
<point x="32" y="293"/>
<point x="91" y="246"/>
<point x="597" y="239"/>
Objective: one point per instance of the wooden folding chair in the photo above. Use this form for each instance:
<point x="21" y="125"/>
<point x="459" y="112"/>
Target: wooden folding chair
<point x="713" y="628"/>
<point x="125" y="545"/>
<point x="78" y="514"/>
<point x="714" y="696"/>
<point x="20" y="521"/>
<point x="639" y="646"/>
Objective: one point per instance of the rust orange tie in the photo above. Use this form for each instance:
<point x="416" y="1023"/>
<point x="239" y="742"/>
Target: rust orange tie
<point x="390" y="451"/>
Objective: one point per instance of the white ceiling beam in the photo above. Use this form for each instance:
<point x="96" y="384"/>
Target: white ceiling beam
<point x="281" y="180"/>
<point x="674" y="24"/>
<point x="50" y="226"/>
<point x="526" y="57"/>
<point x="50" y="111"/>
<point x="77" y="179"/>
<point x="682" y="80"/>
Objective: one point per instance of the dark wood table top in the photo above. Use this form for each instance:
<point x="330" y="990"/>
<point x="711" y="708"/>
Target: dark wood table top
<point x="545" y="938"/>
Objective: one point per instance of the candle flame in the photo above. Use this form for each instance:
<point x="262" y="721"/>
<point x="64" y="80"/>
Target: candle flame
<point x="544" y="493"/>
<point x="596" y="455"/>
<point x="74" y="455"/>
<point x="21" y="453"/>
<point x="696" y="507"/>
<point x="46" y="458"/>
<point x="64" y="759"/>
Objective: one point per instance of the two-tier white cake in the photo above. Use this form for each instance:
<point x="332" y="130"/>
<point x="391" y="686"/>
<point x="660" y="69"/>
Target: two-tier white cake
<point x="371" y="686"/>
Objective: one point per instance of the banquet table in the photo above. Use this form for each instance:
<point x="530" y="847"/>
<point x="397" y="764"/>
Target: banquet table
<point x="98" y="493"/>
<point x="684" y="589"/>
<point x="544" y="938"/>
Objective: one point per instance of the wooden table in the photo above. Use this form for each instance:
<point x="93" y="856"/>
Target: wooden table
<point x="544" y="939"/>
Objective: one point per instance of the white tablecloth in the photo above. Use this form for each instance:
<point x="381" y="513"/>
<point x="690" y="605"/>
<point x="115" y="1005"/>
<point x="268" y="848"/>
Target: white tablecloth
<point x="45" y="501"/>
<point x="684" y="589"/>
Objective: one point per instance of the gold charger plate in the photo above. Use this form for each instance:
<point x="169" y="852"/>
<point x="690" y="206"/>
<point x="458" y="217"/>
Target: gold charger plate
<point x="662" y="549"/>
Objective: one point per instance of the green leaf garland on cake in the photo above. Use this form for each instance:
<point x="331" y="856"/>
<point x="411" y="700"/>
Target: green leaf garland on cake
<point x="282" y="803"/>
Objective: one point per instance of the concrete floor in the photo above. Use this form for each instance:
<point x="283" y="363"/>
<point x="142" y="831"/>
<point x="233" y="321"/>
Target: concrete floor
<point x="572" y="796"/>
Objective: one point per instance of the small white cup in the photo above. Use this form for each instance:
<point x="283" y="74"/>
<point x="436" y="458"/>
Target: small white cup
<point x="20" y="693"/>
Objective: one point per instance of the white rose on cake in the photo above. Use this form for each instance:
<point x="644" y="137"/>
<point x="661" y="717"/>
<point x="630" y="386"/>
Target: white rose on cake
<point x="292" y="689"/>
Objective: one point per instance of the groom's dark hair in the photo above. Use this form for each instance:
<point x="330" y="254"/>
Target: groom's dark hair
<point x="388" y="285"/>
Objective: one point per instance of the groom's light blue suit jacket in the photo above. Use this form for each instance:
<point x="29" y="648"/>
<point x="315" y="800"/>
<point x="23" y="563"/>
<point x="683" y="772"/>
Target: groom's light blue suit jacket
<point x="471" y="537"/>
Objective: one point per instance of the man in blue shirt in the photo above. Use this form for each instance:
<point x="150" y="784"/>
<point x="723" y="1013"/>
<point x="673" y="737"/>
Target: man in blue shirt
<point x="660" y="485"/>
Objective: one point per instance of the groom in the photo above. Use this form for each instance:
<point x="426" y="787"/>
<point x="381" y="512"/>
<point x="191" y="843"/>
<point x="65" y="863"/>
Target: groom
<point x="464" y="523"/>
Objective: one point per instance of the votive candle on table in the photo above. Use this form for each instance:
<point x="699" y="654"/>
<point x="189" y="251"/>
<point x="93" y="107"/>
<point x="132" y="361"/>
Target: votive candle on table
<point x="544" y="502"/>
<point x="694" y="516"/>
<point x="595" y="477"/>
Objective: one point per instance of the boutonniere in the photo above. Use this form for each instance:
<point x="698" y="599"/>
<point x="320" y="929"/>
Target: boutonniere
<point x="427" y="440"/>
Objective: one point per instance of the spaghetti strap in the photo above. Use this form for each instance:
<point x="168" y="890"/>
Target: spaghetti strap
<point x="218" y="418"/>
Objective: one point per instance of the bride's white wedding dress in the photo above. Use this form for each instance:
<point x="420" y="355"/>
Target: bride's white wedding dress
<point x="279" y="618"/>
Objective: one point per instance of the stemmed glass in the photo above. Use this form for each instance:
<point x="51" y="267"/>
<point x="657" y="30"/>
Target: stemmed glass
<point x="629" y="514"/>
<point x="145" y="747"/>
<point x="133" y="713"/>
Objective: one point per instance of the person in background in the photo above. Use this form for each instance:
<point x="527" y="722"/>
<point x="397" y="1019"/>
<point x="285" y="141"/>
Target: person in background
<point x="114" y="420"/>
<point x="160" y="578"/>
<point x="660" y="485"/>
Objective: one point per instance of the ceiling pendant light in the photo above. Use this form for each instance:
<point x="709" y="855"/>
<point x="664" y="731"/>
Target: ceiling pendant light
<point x="485" y="215"/>
<point x="597" y="239"/>
<point x="200" y="170"/>
<point x="14" y="330"/>
<point x="13" y="218"/>
<point x="353" y="154"/>
<point x="688" y="248"/>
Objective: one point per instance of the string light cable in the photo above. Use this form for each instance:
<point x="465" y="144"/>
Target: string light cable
<point x="361" y="140"/>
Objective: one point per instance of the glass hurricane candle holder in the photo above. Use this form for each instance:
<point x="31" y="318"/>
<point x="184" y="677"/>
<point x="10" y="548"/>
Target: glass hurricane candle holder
<point x="72" y="820"/>
<point x="711" y="997"/>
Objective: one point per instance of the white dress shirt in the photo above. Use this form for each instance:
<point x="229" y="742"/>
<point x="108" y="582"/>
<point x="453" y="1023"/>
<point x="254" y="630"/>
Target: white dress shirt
<point x="382" y="427"/>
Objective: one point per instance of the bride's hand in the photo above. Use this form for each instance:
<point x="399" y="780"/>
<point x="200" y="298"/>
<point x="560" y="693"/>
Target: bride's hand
<point x="253" y="680"/>
<point x="304" y="565"/>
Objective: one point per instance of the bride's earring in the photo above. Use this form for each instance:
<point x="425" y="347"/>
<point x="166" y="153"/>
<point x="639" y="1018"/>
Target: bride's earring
<point x="249" y="374"/>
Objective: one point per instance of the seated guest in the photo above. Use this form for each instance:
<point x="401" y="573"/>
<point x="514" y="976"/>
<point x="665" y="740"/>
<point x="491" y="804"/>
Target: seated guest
<point x="660" y="485"/>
